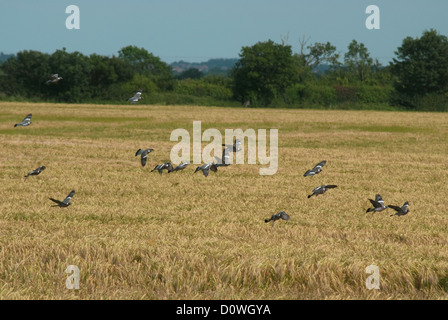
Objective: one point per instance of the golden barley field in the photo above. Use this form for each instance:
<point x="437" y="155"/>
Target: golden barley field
<point x="135" y="234"/>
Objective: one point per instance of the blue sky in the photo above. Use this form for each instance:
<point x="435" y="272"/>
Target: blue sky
<point x="197" y="30"/>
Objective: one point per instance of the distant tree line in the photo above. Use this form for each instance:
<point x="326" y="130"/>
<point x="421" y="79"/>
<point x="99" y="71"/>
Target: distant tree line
<point x="271" y="74"/>
<point x="266" y="74"/>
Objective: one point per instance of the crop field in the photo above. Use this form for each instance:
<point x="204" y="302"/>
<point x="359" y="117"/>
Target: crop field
<point x="135" y="234"/>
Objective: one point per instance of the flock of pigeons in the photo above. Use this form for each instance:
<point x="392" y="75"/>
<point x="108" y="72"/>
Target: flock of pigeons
<point x="378" y="203"/>
<point x="26" y="122"/>
<point x="224" y="161"/>
<point x="55" y="78"/>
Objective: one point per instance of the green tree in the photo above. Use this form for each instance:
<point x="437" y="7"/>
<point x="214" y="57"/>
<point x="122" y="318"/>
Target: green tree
<point x="263" y="71"/>
<point x="322" y="53"/>
<point x="191" y="73"/>
<point x="317" y="55"/>
<point x="145" y="63"/>
<point x="25" y="74"/>
<point x="105" y="75"/>
<point x="358" y="61"/>
<point x="421" y="66"/>
<point x="75" y="69"/>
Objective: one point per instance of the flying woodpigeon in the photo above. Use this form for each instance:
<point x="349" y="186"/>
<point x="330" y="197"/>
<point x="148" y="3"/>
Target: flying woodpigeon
<point x="182" y="166"/>
<point x="321" y="190"/>
<point x="66" y="201"/>
<point x="235" y="147"/>
<point x="144" y="155"/>
<point x="206" y="167"/>
<point x="25" y="122"/>
<point x="167" y="165"/>
<point x="317" y="169"/>
<point x="54" y="78"/>
<point x="224" y="161"/>
<point x="136" y="97"/>
<point x="281" y="215"/>
<point x="35" y="172"/>
<point x="401" y="211"/>
<point x="378" y="204"/>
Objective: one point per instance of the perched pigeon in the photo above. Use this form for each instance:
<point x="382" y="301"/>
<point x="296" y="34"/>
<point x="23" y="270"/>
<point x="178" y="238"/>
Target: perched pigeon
<point x="401" y="211"/>
<point x="235" y="147"/>
<point x="378" y="204"/>
<point x="25" y="122"/>
<point x="136" y="97"/>
<point x="167" y="165"/>
<point x="35" y="172"/>
<point x="277" y="216"/>
<point x="317" y="169"/>
<point x="225" y="159"/>
<point x="206" y="167"/>
<point x="66" y="201"/>
<point x="321" y="190"/>
<point x="144" y="155"/>
<point x="182" y="166"/>
<point x="54" y="78"/>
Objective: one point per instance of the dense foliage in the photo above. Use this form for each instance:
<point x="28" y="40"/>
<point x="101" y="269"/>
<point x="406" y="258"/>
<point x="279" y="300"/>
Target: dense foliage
<point x="421" y="70"/>
<point x="266" y="74"/>
<point x="264" y="71"/>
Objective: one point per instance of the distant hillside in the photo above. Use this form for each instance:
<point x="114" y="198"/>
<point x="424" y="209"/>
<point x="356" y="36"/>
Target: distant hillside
<point x="212" y="66"/>
<point x="4" y="57"/>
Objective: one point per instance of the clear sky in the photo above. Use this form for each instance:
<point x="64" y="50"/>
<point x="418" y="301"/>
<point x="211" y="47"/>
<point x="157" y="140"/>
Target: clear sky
<point x="197" y="30"/>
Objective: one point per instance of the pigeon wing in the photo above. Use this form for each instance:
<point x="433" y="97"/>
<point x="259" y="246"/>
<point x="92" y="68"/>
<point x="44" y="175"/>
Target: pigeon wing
<point x="237" y="142"/>
<point x="57" y="201"/>
<point x="27" y="118"/>
<point x="376" y="204"/>
<point x="197" y="169"/>
<point x="182" y="166"/>
<point x="319" y="165"/>
<point x="284" y="215"/>
<point x="396" y="208"/>
<point x="309" y="173"/>
<point x="405" y="206"/>
<point x="379" y="199"/>
<point x="213" y="167"/>
<point x="69" y="197"/>
<point x="143" y="159"/>
<point x="225" y="156"/>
